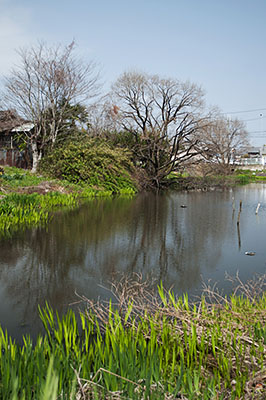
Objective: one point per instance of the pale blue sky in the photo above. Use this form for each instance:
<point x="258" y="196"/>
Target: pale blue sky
<point x="218" y="44"/>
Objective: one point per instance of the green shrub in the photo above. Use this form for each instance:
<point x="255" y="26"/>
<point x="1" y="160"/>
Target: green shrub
<point x="91" y="161"/>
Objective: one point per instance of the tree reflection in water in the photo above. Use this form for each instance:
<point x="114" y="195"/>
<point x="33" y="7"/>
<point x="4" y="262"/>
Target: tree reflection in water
<point x="105" y="238"/>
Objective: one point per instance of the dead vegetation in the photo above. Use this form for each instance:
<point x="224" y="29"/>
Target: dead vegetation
<point x="221" y="340"/>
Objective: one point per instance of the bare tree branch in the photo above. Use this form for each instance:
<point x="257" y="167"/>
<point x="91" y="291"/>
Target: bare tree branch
<point x="44" y="85"/>
<point x="223" y="138"/>
<point x="165" y="117"/>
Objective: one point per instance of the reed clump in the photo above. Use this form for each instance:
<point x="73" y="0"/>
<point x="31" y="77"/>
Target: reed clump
<point x="146" y="345"/>
<point x="28" y="200"/>
<point x="19" y="211"/>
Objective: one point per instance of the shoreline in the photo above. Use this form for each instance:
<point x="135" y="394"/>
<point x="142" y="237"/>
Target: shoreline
<point x="27" y="199"/>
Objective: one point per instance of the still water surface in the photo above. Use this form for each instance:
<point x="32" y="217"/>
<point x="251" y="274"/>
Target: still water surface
<point x="82" y="250"/>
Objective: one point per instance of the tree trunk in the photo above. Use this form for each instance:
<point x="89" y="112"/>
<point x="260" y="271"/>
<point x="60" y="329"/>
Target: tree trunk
<point x="36" y="156"/>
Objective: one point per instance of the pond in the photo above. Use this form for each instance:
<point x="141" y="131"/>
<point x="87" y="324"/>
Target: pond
<point x="81" y="251"/>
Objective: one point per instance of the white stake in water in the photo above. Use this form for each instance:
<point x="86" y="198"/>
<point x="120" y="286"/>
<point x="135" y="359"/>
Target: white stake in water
<point x="257" y="209"/>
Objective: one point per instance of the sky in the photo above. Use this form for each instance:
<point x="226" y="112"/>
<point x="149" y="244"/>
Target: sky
<point x="218" y="44"/>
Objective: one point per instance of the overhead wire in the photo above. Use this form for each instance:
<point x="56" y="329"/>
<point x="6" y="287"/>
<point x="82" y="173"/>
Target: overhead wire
<point x="244" y="111"/>
<point x="256" y="131"/>
<point x="253" y="119"/>
<point x="254" y="134"/>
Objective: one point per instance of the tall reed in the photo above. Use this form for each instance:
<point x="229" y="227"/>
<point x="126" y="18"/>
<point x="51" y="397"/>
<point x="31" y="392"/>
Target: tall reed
<point x="146" y="346"/>
<point x="25" y="210"/>
<point x="19" y="211"/>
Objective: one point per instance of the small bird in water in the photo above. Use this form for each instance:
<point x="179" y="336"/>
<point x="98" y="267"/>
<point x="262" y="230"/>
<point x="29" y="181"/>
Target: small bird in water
<point x="250" y="253"/>
<point x="183" y="206"/>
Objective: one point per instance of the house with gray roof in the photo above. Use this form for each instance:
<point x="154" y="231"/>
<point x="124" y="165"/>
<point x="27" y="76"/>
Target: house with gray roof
<point x="10" y="125"/>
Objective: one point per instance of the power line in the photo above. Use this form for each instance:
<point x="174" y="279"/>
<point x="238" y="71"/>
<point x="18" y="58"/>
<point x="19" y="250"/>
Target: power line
<point x="252" y="119"/>
<point x="256" y="131"/>
<point x="244" y="111"/>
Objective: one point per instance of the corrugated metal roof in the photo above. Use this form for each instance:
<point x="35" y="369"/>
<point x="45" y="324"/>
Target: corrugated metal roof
<point x="249" y="149"/>
<point x="9" y="119"/>
<point x="23" y="128"/>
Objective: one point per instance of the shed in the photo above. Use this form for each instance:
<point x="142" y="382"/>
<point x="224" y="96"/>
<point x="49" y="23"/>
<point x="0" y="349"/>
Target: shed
<point x="10" y="124"/>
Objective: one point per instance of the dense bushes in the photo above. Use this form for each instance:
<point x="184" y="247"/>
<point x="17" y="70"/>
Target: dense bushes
<point x="91" y="161"/>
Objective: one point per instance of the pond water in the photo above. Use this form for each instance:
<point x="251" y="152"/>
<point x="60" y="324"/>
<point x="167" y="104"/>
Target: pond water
<point x="81" y="251"/>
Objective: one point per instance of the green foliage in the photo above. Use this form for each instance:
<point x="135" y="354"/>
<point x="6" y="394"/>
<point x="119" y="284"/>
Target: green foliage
<point x="69" y="118"/>
<point x="92" y="162"/>
<point x="239" y="177"/>
<point x="247" y="176"/>
<point x="121" y="138"/>
<point x="24" y="210"/>
<point x="17" y="177"/>
<point x="243" y="179"/>
<point x="11" y="178"/>
<point x="177" y="350"/>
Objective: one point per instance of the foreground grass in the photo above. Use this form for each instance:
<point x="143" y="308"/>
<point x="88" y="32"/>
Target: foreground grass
<point x="29" y="199"/>
<point x="146" y="347"/>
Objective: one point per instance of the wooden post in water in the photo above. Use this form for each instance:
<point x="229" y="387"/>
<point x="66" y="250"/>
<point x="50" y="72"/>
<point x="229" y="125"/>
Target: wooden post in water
<point x="239" y="212"/>
<point x="233" y="207"/>
<point x="239" y="237"/>
<point x="233" y="203"/>
<point x="257" y="209"/>
<point x="238" y="217"/>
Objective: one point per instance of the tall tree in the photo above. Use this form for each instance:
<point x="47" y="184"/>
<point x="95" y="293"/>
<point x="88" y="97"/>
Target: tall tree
<point x="75" y="119"/>
<point x="165" y="117"/>
<point x="47" y="82"/>
<point x="223" y="138"/>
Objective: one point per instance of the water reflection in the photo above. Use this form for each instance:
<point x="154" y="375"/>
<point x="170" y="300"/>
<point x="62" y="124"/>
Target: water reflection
<point x="150" y="234"/>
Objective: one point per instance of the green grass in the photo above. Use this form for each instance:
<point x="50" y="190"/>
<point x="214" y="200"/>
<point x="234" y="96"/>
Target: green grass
<point x="249" y="176"/>
<point x="240" y="177"/>
<point x="20" y="209"/>
<point x="16" y="177"/>
<point x="26" y="210"/>
<point x="157" y="347"/>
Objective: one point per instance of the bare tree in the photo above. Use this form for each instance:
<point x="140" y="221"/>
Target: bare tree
<point x="46" y="83"/>
<point x="102" y="118"/>
<point x="164" y="116"/>
<point x="222" y="139"/>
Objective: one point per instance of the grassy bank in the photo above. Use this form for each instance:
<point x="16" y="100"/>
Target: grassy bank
<point x="29" y="199"/>
<point x="212" y="182"/>
<point x="147" y="347"/>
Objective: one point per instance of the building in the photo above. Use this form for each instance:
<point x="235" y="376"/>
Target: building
<point x="252" y="156"/>
<point x="263" y="155"/>
<point x="10" y="125"/>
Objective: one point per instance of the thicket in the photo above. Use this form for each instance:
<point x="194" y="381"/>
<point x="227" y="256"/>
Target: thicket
<point x="93" y="162"/>
<point x="147" y="346"/>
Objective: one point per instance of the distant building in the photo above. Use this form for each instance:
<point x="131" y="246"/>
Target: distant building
<point x="263" y="154"/>
<point x="255" y="156"/>
<point x="250" y="151"/>
<point x="10" y="125"/>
